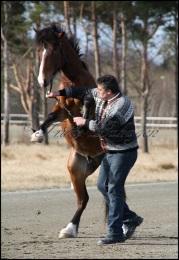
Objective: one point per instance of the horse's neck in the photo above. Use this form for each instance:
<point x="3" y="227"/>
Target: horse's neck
<point x="65" y="81"/>
<point x="79" y="76"/>
<point x="74" y="69"/>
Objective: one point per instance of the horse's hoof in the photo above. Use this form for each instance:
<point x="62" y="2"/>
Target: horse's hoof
<point x="68" y="232"/>
<point x="65" y="235"/>
<point x="37" y="137"/>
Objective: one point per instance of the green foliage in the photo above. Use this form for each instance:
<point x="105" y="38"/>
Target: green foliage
<point x="16" y="27"/>
<point x="24" y="15"/>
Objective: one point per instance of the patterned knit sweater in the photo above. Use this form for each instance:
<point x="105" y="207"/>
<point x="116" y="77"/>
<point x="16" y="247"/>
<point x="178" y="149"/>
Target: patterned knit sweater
<point x="114" y="124"/>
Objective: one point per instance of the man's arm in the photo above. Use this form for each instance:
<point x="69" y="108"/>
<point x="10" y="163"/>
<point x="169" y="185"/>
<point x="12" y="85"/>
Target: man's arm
<point x="79" y="93"/>
<point x="74" y="92"/>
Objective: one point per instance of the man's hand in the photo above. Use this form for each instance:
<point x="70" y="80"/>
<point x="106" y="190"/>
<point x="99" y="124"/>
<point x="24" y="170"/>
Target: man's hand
<point x="52" y="94"/>
<point x="80" y="121"/>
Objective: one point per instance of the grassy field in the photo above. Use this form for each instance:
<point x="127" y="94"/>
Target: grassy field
<point x="36" y="166"/>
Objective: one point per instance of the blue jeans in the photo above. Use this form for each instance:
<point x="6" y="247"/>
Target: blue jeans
<point x="113" y="172"/>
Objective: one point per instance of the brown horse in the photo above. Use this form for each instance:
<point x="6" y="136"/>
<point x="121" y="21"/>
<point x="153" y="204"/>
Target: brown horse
<point x="61" y="54"/>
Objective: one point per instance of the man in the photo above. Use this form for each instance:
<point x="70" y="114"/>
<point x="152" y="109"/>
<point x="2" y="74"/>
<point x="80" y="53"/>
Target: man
<point x="114" y="123"/>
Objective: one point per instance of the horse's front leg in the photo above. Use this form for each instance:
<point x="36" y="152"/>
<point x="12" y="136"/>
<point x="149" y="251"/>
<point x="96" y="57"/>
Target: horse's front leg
<point x="38" y="135"/>
<point x="77" y="166"/>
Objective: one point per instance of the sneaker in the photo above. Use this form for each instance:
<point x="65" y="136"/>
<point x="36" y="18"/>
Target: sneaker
<point x="130" y="226"/>
<point x="108" y="241"/>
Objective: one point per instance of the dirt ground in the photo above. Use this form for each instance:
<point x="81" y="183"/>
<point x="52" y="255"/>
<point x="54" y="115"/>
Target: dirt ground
<point x="36" y="166"/>
<point x="31" y="221"/>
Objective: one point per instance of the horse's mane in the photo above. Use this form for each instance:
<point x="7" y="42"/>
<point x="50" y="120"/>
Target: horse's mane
<point x="50" y="35"/>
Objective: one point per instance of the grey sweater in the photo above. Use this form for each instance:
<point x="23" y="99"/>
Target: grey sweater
<point x="116" y="128"/>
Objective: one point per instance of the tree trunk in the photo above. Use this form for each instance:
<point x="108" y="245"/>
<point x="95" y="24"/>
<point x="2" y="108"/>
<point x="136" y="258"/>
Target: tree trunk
<point x="176" y="70"/>
<point x="95" y="40"/>
<point x="115" y="54"/>
<point x="124" y="50"/>
<point x="6" y="84"/>
<point x="145" y="147"/>
<point x="45" y="113"/>
<point x="145" y="93"/>
<point x="74" y="21"/>
<point x="34" y="118"/>
<point x="35" y="110"/>
<point x="35" y="99"/>
<point x="67" y="16"/>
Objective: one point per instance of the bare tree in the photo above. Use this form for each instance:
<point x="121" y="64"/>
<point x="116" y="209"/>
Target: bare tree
<point x="124" y="51"/>
<point x="6" y="84"/>
<point x="176" y="66"/>
<point x="67" y="16"/>
<point x="145" y="94"/>
<point x="95" y="39"/>
<point x="74" y="18"/>
<point x="28" y="92"/>
<point x="115" y="54"/>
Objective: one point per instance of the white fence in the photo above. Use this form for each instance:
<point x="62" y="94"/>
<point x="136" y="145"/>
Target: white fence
<point x="154" y="122"/>
<point x="158" y="122"/>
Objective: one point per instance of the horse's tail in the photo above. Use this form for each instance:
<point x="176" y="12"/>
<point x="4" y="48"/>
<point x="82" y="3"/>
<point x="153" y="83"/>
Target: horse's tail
<point x="107" y="208"/>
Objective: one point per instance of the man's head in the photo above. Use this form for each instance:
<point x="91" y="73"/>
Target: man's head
<point x="107" y="87"/>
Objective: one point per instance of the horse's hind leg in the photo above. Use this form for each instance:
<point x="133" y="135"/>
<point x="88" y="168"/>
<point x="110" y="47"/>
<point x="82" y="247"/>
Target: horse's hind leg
<point x="77" y="166"/>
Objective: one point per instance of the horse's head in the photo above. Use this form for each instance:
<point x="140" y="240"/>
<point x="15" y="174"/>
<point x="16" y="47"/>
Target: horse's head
<point x="49" y="40"/>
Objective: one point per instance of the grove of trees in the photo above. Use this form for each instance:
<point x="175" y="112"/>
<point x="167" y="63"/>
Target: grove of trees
<point x="136" y="41"/>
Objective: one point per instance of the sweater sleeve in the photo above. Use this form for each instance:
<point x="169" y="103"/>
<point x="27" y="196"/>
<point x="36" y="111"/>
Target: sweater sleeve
<point x="91" y="125"/>
<point x="75" y="92"/>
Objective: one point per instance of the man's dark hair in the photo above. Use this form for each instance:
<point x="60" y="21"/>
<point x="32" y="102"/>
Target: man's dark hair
<point x="109" y="82"/>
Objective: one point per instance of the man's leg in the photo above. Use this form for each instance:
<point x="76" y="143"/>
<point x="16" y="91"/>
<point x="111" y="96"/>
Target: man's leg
<point x="102" y="182"/>
<point x="119" y="167"/>
<point x="130" y="221"/>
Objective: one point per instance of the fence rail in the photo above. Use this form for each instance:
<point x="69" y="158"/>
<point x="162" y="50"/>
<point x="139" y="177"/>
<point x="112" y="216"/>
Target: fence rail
<point x="155" y="122"/>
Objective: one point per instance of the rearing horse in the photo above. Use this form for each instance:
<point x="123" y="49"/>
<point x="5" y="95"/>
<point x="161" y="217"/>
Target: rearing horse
<point x="61" y="54"/>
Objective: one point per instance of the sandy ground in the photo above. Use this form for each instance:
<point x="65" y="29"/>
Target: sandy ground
<point x="31" y="222"/>
<point x="37" y="166"/>
<point x="32" y="219"/>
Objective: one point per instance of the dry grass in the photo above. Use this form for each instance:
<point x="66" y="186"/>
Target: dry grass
<point x="37" y="166"/>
